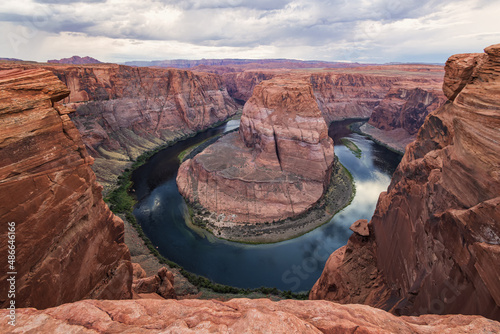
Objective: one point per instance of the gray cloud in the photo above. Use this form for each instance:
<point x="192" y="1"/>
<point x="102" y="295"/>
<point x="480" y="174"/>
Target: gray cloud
<point x="339" y="28"/>
<point x="67" y="2"/>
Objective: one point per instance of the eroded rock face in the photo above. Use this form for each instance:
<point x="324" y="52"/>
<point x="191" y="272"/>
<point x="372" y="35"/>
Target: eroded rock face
<point x="277" y="166"/>
<point x="406" y="108"/>
<point x="234" y="316"/>
<point x="122" y="111"/>
<point x="162" y="284"/>
<point x="345" y="93"/>
<point x="69" y="244"/>
<point x="437" y="228"/>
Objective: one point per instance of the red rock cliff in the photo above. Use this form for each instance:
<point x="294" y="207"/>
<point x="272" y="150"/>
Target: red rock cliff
<point x="69" y="244"/>
<point x="437" y="228"/>
<point x="406" y="108"/>
<point x="344" y="93"/>
<point x="124" y="111"/>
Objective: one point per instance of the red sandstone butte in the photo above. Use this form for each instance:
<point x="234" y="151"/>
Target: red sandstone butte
<point x="436" y="230"/>
<point x="277" y="166"/>
<point x="69" y="245"/>
<point x="234" y="316"/>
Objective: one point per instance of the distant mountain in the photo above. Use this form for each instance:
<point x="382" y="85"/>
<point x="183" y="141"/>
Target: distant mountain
<point x="243" y="63"/>
<point x="75" y="60"/>
<point x="11" y="59"/>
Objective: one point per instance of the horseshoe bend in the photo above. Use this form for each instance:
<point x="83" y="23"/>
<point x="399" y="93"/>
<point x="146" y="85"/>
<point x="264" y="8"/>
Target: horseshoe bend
<point x="427" y="261"/>
<point x="277" y="166"/>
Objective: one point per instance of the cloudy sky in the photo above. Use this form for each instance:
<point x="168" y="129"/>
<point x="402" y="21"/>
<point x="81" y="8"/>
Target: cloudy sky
<point x="377" y="31"/>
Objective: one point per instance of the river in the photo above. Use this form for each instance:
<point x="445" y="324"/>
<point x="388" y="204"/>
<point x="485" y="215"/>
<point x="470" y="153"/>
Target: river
<point x="289" y="265"/>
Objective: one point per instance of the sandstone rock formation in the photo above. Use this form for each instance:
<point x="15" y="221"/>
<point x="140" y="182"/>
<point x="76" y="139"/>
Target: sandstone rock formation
<point x="401" y="114"/>
<point x="123" y="111"/>
<point x="161" y="284"/>
<point x="234" y="316"/>
<point x="437" y="228"/>
<point x="276" y="167"/>
<point x="406" y="108"/>
<point x="69" y="244"/>
<point x="347" y="93"/>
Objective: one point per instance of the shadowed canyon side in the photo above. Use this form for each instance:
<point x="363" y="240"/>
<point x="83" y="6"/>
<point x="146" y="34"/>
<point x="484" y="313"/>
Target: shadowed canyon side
<point x="123" y="111"/>
<point x="277" y="166"/>
<point x="235" y="316"/>
<point x="435" y="234"/>
<point x="69" y="245"/>
<point x="397" y="119"/>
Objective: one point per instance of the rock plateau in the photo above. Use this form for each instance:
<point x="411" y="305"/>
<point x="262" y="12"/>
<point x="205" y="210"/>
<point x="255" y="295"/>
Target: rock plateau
<point x="69" y="245"/>
<point x="434" y="245"/>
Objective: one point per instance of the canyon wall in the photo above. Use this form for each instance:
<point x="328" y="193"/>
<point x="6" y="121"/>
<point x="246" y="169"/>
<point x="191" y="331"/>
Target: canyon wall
<point x="234" y="316"/>
<point x="123" y="111"/>
<point x="69" y="245"/>
<point x="345" y="93"/>
<point x="435" y="240"/>
<point x="396" y="120"/>
<point x="406" y="107"/>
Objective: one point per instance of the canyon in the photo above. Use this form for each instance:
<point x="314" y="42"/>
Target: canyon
<point x="347" y="93"/>
<point x="431" y="247"/>
<point x="69" y="245"/>
<point x="434" y="240"/>
<point x="276" y="167"/>
<point x="122" y="111"/>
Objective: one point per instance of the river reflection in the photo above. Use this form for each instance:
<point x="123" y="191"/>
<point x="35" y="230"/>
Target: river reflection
<point x="289" y="265"/>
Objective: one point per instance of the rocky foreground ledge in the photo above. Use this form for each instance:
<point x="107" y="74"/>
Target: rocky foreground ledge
<point x="278" y="166"/>
<point x="234" y="316"/>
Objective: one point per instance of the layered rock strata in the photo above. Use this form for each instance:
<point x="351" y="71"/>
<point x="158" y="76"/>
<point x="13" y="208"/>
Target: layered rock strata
<point x="437" y="228"/>
<point x="234" y="316"/>
<point x="345" y="93"/>
<point x="123" y="111"/>
<point x="69" y="245"/>
<point x="277" y="166"/>
<point x="401" y="114"/>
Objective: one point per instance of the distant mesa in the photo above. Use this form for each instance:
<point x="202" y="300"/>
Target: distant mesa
<point x="75" y="60"/>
